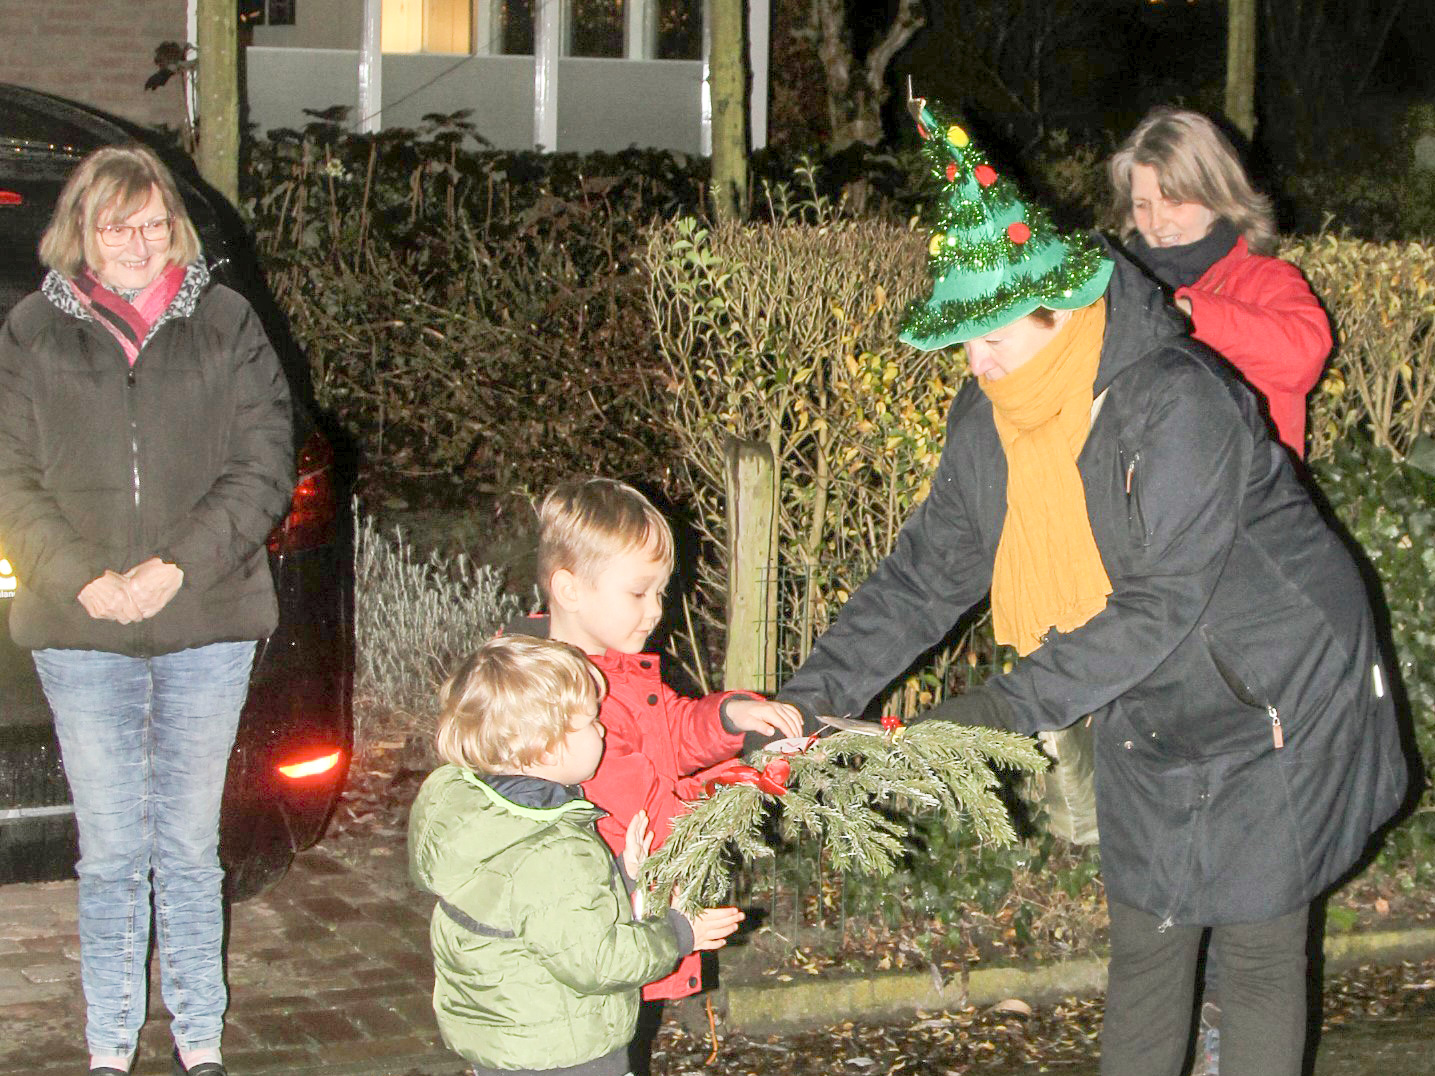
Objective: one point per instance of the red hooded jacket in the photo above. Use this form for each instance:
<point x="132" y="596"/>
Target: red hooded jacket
<point x="1261" y="315"/>
<point x="656" y="740"/>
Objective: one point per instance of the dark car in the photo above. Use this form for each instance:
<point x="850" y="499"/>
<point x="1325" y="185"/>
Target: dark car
<point x="291" y="755"/>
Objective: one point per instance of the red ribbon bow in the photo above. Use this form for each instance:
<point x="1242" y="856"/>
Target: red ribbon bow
<point x="771" y="779"/>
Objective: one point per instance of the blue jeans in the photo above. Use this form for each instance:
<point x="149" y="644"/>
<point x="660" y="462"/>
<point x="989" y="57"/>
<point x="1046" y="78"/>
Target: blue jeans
<point x="146" y="744"/>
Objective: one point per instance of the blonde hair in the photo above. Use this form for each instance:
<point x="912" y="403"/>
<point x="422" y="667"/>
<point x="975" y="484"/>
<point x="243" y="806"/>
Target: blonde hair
<point x="511" y="701"/>
<point x="1194" y="162"/>
<point x="112" y="182"/>
<point x="584" y="522"/>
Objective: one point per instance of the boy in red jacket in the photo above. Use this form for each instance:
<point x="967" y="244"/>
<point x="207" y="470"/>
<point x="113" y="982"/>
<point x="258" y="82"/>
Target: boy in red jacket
<point x="604" y="558"/>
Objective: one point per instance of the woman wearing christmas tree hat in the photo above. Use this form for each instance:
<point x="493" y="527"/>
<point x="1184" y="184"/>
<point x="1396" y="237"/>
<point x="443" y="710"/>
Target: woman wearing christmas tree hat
<point x="1152" y="557"/>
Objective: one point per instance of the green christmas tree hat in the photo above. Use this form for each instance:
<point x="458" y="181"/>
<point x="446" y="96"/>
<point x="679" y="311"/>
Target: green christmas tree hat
<point x="992" y="257"/>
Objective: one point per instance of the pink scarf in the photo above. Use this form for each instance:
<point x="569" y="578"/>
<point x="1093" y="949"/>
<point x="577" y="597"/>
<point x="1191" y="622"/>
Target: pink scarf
<point x="129" y="323"/>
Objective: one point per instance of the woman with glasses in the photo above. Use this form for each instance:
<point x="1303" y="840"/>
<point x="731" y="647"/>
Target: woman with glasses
<point x="146" y="451"/>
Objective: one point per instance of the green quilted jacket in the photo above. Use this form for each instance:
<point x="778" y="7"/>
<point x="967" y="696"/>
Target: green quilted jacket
<point x="538" y="961"/>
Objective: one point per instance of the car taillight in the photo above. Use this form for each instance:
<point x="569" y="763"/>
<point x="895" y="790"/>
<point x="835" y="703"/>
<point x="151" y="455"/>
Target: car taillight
<point x="11" y="198"/>
<point x="313" y="510"/>
<point x="310" y="765"/>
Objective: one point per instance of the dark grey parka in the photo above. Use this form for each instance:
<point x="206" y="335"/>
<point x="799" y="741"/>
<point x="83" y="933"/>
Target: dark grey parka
<point x="1246" y="741"/>
<point x="188" y="456"/>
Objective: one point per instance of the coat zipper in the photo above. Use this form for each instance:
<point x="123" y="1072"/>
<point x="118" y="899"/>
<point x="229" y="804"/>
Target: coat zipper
<point x="1135" y="519"/>
<point x="1246" y="690"/>
<point x="134" y="445"/>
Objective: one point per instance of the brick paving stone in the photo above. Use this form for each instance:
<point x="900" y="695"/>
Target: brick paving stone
<point x="379" y="1021"/>
<point x="279" y="1029"/>
<point x="418" y="1011"/>
<point x="372" y="937"/>
<point x="319" y="861"/>
<point x="51" y="973"/>
<point x="416" y="963"/>
<point x="56" y="1051"/>
<point x="381" y="977"/>
<point x="277" y="1003"/>
<point x="238" y="1037"/>
<point x="400" y="1046"/>
<point x="263" y="1061"/>
<point x="332" y="911"/>
<point x="330" y="1026"/>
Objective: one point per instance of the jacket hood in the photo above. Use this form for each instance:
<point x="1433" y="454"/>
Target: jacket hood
<point x="458" y="809"/>
<point x="1138" y="319"/>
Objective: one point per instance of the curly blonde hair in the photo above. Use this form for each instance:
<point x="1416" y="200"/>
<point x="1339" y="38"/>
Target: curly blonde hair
<point x="511" y="701"/>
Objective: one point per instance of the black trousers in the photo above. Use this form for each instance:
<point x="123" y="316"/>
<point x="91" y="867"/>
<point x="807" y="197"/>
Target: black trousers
<point x="1150" y="995"/>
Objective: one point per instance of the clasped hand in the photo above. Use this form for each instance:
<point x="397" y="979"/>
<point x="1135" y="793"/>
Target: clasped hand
<point x="132" y="596"/>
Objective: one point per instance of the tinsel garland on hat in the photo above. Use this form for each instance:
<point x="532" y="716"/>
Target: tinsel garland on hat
<point x="993" y="257"/>
<point x="841" y="791"/>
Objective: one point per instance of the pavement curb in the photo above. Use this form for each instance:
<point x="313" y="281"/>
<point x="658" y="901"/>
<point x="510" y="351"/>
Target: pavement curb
<point x="773" y="1006"/>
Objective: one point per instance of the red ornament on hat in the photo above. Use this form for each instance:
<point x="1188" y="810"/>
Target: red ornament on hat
<point x="986" y="174"/>
<point x="951" y="172"/>
<point x="1018" y="232"/>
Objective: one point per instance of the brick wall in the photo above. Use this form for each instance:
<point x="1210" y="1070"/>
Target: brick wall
<point x="96" y="51"/>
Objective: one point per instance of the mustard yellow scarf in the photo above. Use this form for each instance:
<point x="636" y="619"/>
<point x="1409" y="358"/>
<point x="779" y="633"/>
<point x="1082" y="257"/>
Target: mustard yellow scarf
<point x="1048" y="572"/>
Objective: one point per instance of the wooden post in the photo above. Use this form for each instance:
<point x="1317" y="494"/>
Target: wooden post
<point x="728" y="85"/>
<point x="218" y="32"/>
<point x="751" y="660"/>
<point x="1241" y="66"/>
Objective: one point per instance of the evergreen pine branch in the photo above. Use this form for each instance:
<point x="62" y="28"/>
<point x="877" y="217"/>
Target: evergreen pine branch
<point x="847" y="791"/>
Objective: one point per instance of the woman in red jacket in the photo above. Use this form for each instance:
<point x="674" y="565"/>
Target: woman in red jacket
<point x="1187" y="212"/>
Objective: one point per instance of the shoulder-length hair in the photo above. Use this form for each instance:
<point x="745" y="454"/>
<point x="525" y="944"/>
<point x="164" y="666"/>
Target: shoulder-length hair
<point x="112" y="183"/>
<point x="1194" y="162"/>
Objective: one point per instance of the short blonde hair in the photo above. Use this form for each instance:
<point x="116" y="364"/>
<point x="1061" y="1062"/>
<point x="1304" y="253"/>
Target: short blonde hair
<point x="114" y="181"/>
<point x="1194" y="162"/>
<point x="511" y="701"/>
<point x="584" y="522"/>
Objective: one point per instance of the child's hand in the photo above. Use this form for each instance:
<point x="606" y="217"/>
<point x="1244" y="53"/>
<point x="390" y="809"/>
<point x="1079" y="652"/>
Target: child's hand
<point x="711" y="926"/>
<point x="637" y="842"/>
<point x="760" y="715"/>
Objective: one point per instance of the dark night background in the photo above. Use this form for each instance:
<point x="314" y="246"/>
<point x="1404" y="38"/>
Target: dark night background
<point x="1116" y="58"/>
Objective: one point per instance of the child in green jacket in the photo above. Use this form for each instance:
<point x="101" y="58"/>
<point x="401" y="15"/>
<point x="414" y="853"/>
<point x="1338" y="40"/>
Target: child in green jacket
<point x="538" y="960"/>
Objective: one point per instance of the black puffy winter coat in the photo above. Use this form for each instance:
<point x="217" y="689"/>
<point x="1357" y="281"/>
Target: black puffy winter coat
<point x="1246" y="741"/>
<point x="188" y="456"/>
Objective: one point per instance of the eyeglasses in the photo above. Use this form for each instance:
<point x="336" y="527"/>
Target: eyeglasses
<point x="152" y="231"/>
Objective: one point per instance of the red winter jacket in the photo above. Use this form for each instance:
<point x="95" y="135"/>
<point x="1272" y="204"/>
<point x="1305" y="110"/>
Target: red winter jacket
<point x="1261" y="315"/>
<point x="656" y="740"/>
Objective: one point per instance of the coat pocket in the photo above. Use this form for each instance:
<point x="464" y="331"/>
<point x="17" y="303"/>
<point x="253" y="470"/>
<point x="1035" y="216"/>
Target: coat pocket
<point x="1243" y="682"/>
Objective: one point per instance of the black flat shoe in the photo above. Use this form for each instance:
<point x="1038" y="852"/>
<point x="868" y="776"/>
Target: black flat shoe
<point x="204" y="1068"/>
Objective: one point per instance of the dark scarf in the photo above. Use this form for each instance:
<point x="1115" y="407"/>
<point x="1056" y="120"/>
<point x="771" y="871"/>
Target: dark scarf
<point x="129" y="322"/>
<point x="1180" y="267"/>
